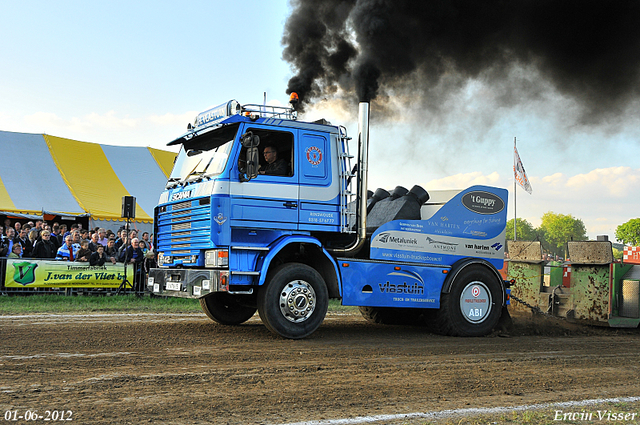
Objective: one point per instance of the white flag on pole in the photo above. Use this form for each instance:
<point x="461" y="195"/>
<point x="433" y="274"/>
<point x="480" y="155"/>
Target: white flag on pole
<point x="518" y="170"/>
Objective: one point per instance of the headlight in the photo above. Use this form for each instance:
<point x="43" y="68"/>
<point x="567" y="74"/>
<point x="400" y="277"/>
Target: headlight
<point x="216" y="258"/>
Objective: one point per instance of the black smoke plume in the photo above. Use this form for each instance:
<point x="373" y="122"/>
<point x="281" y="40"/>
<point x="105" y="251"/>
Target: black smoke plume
<point x="587" y="50"/>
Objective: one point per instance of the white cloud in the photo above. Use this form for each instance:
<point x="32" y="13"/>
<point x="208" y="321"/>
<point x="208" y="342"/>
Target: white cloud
<point x="459" y="181"/>
<point x="603" y="198"/>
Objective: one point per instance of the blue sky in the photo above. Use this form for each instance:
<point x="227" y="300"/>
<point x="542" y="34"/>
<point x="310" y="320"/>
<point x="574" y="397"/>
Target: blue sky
<point x="135" y="73"/>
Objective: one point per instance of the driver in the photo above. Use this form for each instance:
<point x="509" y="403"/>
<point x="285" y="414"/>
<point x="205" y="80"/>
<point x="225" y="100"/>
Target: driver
<point x="275" y="166"/>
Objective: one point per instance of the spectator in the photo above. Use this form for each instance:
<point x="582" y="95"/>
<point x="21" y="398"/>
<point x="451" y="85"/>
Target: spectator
<point x="151" y="246"/>
<point x="62" y="233"/>
<point x="110" y="251"/>
<point x="1" y="233"/>
<point x="122" y="249"/>
<point x="120" y="239"/>
<point x="6" y="247"/>
<point x="75" y="237"/>
<point x="84" y="253"/>
<point x="133" y="255"/>
<point x="55" y="237"/>
<point x="16" y="251"/>
<point x="33" y="238"/>
<point x="17" y="226"/>
<point x="23" y="239"/>
<point x="93" y="244"/>
<point x="44" y="248"/>
<point x="84" y="235"/>
<point x="98" y="258"/>
<point x="73" y="227"/>
<point x="68" y="251"/>
<point x="102" y="237"/>
<point x="7" y="223"/>
<point x="143" y="247"/>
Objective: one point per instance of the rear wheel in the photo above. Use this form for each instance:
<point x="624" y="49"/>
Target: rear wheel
<point x="294" y="302"/>
<point x="474" y="304"/>
<point x="226" y="309"/>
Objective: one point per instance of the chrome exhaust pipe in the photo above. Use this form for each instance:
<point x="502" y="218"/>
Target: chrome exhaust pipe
<point x="361" y="196"/>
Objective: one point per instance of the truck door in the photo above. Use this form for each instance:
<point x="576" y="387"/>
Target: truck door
<point x="319" y="181"/>
<point x="271" y="200"/>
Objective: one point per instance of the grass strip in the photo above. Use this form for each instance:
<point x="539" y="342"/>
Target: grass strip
<point x="21" y="304"/>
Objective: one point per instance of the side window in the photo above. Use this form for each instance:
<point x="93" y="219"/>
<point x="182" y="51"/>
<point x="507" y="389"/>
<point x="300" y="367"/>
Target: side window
<point x="276" y="152"/>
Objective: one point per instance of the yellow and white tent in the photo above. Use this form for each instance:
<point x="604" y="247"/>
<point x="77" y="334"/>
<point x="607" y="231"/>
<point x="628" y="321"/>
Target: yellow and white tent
<point x="42" y="174"/>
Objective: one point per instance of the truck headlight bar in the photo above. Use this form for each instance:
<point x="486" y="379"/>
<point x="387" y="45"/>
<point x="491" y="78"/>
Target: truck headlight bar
<point x="216" y="258"/>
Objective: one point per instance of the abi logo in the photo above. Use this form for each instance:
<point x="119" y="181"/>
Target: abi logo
<point x="24" y="272"/>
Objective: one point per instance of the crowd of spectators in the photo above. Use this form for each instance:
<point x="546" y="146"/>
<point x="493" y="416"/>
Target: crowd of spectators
<point x="57" y="241"/>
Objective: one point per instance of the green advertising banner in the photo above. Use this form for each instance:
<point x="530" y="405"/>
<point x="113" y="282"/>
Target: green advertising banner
<point x="28" y="273"/>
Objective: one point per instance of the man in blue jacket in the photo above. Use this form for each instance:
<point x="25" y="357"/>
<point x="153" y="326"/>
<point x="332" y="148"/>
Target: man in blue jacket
<point x="68" y="251"/>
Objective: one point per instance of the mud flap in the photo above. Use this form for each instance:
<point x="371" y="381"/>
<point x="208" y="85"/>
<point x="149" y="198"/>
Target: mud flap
<point x="505" y="324"/>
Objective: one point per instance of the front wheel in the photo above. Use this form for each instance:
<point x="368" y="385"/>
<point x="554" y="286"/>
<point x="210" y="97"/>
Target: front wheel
<point x="226" y="309"/>
<point x="473" y="306"/>
<point x="294" y="302"/>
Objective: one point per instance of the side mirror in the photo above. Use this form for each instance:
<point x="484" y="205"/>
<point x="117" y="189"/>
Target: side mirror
<point x="251" y="142"/>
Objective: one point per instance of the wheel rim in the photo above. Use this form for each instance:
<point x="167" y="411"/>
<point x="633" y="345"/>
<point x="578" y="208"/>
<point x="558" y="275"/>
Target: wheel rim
<point x="297" y="301"/>
<point x="475" y="302"/>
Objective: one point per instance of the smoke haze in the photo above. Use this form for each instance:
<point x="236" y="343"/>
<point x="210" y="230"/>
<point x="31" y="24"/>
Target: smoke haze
<point x="428" y="51"/>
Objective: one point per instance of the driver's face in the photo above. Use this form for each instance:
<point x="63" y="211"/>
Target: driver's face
<point x="270" y="155"/>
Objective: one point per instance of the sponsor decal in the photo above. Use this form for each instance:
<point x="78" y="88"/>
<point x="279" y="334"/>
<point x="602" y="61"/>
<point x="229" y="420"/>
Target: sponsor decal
<point x="62" y="274"/>
<point x="220" y="219"/>
<point x="497" y="246"/>
<point x="314" y="155"/>
<point x="402" y="288"/>
<point x="475" y="291"/>
<point x="443" y="246"/>
<point x="483" y="202"/>
<point x="24" y="272"/>
<point x="386" y="238"/>
<point x="182" y="195"/>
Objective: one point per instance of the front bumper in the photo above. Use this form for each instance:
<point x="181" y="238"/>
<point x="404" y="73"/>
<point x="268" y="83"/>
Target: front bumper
<point x="187" y="283"/>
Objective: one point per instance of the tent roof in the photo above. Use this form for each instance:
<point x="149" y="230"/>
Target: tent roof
<point x="48" y="173"/>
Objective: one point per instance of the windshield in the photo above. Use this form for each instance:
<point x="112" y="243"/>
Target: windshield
<point x="193" y="164"/>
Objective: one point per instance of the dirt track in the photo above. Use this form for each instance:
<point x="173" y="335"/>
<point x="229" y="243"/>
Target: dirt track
<point x="184" y="369"/>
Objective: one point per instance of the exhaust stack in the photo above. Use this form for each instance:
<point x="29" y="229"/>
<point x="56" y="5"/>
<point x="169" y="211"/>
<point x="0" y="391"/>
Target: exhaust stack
<point x="361" y="196"/>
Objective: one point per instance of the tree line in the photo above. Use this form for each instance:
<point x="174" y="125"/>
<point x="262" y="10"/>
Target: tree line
<point x="557" y="229"/>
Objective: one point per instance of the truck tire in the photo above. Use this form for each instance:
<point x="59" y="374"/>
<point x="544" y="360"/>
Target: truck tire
<point x="392" y="316"/>
<point x="473" y="305"/>
<point x="294" y="301"/>
<point x="226" y="309"/>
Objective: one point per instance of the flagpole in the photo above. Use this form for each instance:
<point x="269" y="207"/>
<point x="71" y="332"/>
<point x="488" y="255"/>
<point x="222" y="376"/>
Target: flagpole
<point x="515" y="215"/>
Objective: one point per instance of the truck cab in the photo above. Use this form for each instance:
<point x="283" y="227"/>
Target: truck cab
<point x="242" y="235"/>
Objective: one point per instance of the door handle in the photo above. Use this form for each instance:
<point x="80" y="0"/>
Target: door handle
<point x="291" y="204"/>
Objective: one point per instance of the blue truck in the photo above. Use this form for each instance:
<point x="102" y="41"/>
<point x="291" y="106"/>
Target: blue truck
<point x="242" y="235"/>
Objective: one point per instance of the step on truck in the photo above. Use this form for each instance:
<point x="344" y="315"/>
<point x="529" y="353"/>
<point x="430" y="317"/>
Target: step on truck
<point x="283" y="231"/>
